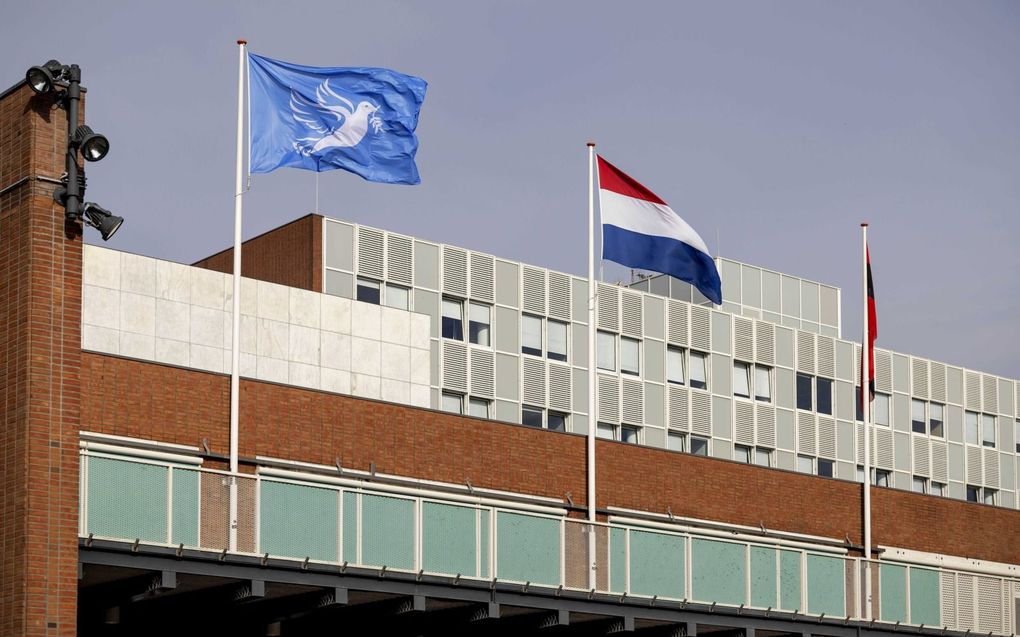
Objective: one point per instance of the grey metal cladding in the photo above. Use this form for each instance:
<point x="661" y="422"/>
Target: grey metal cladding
<point x="506" y="331"/>
<point x="507" y="376"/>
<point x="339" y="246"/>
<point x="507" y="286"/>
<point x="750" y="286"/>
<point x="654" y="316"/>
<point x="426" y="265"/>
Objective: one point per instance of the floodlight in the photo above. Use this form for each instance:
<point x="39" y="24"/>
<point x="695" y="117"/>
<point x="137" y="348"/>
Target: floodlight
<point x="101" y="219"/>
<point x="93" y="146"/>
<point x="41" y="78"/>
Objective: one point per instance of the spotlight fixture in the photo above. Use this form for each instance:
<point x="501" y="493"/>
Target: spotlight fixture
<point x="41" y="79"/>
<point x="92" y="145"/>
<point x="101" y="219"/>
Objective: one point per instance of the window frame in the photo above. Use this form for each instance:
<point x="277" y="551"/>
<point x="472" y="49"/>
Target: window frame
<point x="825" y="462"/>
<point x="972" y="427"/>
<point x="916" y="404"/>
<point x="741" y="372"/>
<point x="703" y="443"/>
<point x="455" y="324"/>
<point x="631" y="368"/>
<point x="602" y="337"/>
<point x="804" y="385"/>
<point x="528" y="349"/>
<point x="358" y="284"/>
<point x="388" y="289"/>
<point x="634" y="429"/>
<point x="455" y="396"/>
<point x="531" y="409"/>
<point x="765" y="452"/>
<point x="883" y="478"/>
<point x="756" y="385"/>
<point x="988" y="422"/>
<point x="566" y="341"/>
<point x="743" y="454"/>
<point x="471" y="331"/>
<point x="703" y="358"/>
<point x="821" y="381"/>
<point x="941" y="427"/>
<point x="673" y="353"/>
<point x="678" y="436"/>
<point x="474" y="400"/>
<point x="919" y="480"/>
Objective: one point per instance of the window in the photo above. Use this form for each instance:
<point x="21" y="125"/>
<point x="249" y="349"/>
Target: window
<point x="988" y="430"/>
<point x="606" y="347"/>
<point x="937" y="488"/>
<point x="630" y="434"/>
<point x="762" y="383"/>
<point x="970" y="426"/>
<point x="531" y="416"/>
<point x="881" y="409"/>
<point x="453" y="319"/>
<point x="825" y="468"/>
<point x="973" y="493"/>
<point x="397" y="297"/>
<point x="531" y="335"/>
<point x="478" y="407"/>
<point x="882" y="477"/>
<point x="917" y="419"/>
<point x="860" y="474"/>
<point x="675" y="441"/>
<point x="453" y="403"/>
<point x="675" y="367"/>
<point x="741" y="380"/>
<point x="630" y="356"/>
<point x="557" y="421"/>
<point x="823" y="396"/>
<point x="478" y="324"/>
<point x="804" y="398"/>
<point x="858" y="409"/>
<point x="805" y="464"/>
<point x="538" y="417"/>
<point x="699" y="446"/>
<point x="763" y="457"/>
<point x="699" y="370"/>
<point x="557" y="341"/>
<point x="919" y="485"/>
<point x="369" y="291"/>
<point x="935" y="419"/>
<point x="742" y="454"/>
<point x="989" y="496"/>
<point x="605" y="430"/>
<point x="1016" y="437"/>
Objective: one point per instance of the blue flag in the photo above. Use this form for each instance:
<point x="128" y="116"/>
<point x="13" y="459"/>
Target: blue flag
<point x="359" y="119"/>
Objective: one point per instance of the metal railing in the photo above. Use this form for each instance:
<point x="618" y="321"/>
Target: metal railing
<point x="162" y="503"/>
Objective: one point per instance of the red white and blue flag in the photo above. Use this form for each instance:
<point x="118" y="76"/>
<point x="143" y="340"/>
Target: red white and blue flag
<point x="639" y="230"/>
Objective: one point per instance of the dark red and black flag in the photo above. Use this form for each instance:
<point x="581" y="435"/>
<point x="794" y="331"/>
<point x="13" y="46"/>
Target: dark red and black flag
<point x="872" y="329"/>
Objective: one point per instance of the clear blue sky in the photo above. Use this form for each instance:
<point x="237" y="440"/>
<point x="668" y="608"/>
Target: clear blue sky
<point x="777" y="127"/>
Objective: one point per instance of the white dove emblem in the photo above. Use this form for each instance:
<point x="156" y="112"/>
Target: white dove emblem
<point x="332" y="120"/>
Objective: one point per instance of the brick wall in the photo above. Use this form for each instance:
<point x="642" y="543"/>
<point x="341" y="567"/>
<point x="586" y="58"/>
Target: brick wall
<point x="40" y="359"/>
<point x="289" y="255"/>
<point x="299" y="424"/>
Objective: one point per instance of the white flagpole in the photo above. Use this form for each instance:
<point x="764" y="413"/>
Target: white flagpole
<point x="592" y="425"/>
<point x="865" y="411"/>
<point x="235" y="345"/>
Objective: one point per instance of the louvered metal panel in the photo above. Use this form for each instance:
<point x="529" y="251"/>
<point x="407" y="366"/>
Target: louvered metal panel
<point x="399" y="258"/>
<point x="701" y="328"/>
<point x="679" y="417"/>
<point x="883" y="448"/>
<point x="1016" y="394"/>
<point x="919" y="377"/>
<point x="972" y="390"/>
<point x="857" y="365"/>
<point x="701" y="413"/>
<point x="609" y="399"/>
<point x="454" y="366"/>
<point x="559" y="296"/>
<point x="678" y="321"/>
<point x="533" y="381"/>
<point x="947" y="607"/>
<point x="481" y="266"/>
<point x="766" y="426"/>
<point x="939" y="461"/>
<point x="883" y="371"/>
<point x="559" y="387"/>
<point x="859" y="444"/>
<point x="938" y="382"/>
<point x="807" y="435"/>
<point x="609" y="307"/>
<point x="1008" y="606"/>
<point x="743" y="422"/>
<point x="743" y="339"/>
<point x="826" y="356"/>
<point x="974" y="469"/>
<point x="765" y="342"/>
<point x="826" y="437"/>
<point x="455" y="277"/>
<point x="533" y="289"/>
<point x="631" y="313"/>
<point x="965" y="594"/>
<point x="805" y="352"/>
<point x="633" y="402"/>
<point x="989" y="606"/>
<point x="922" y="464"/>
<point x="482" y="372"/>
<point x="990" y="387"/>
<point x="991" y="462"/>
<point x="370" y="253"/>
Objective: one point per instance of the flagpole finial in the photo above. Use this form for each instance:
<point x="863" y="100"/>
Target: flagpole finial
<point x="591" y="144"/>
<point x="242" y="42"/>
<point x="864" y="224"/>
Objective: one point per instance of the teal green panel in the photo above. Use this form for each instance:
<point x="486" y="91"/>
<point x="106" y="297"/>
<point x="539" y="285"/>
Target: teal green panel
<point x="448" y="539"/>
<point x="826" y="585"/>
<point x="350" y="527"/>
<point x="763" y="577"/>
<point x="527" y="548"/>
<point x="185" y="507"/>
<point x="617" y="560"/>
<point x="656" y="564"/>
<point x="718" y="572"/>
<point x="893" y="585"/>
<point x="483" y="528"/>
<point x="925" y="597"/>
<point x="789" y="580"/>
<point x="298" y="521"/>
<point x="127" y="500"/>
<point x="387" y="531"/>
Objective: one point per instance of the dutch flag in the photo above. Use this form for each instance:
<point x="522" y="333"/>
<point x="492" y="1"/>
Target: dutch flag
<point x="640" y="231"/>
